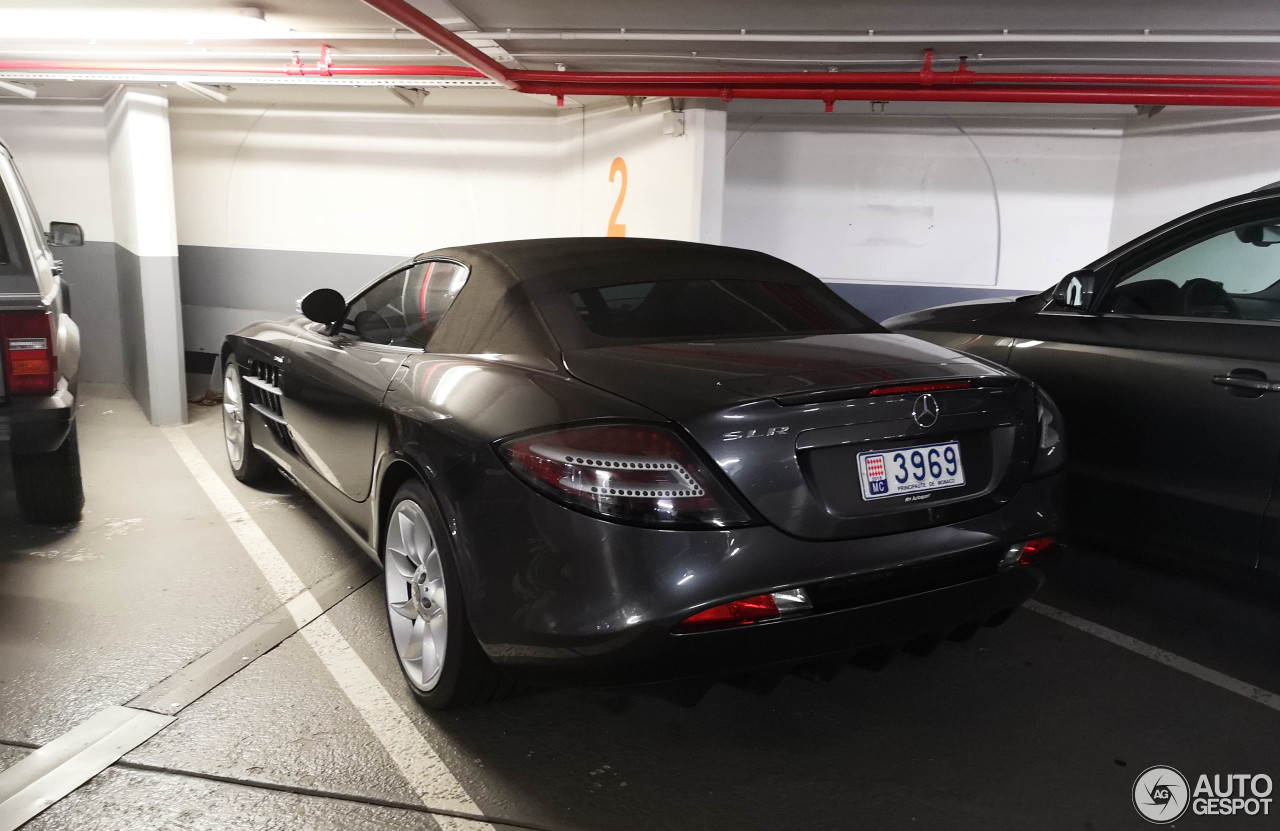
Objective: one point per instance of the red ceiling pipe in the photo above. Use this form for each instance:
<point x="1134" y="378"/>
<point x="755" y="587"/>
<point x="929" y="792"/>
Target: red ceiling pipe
<point x="999" y="87"/>
<point x="1199" y="96"/>
<point x="416" y="21"/>
<point x="962" y="77"/>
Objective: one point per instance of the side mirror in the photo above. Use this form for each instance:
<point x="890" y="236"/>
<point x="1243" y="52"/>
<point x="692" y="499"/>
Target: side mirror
<point x="324" y="306"/>
<point x="64" y="234"/>
<point x="1076" y="290"/>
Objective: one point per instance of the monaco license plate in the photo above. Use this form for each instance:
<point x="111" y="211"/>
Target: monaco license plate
<point x="907" y="470"/>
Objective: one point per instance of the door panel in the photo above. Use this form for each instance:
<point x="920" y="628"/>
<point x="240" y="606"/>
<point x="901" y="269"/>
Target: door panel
<point x="333" y="391"/>
<point x="1163" y="455"/>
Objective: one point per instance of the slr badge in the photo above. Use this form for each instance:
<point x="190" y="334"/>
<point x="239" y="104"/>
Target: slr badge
<point x="763" y="432"/>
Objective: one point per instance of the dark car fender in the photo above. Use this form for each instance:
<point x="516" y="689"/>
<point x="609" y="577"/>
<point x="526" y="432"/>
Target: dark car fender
<point x="439" y="423"/>
<point x="985" y="328"/>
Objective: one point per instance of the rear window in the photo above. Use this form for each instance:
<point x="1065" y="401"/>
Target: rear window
<point x="703" y="308"/>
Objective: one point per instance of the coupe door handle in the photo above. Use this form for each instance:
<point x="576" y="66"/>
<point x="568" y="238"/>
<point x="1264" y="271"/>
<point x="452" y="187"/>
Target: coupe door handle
<point x="1255" y="383"/>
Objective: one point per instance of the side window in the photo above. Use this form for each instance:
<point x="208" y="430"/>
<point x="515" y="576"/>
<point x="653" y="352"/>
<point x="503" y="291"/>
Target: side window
<point x="1234" y="274"/>
<point x="405" y="308"/>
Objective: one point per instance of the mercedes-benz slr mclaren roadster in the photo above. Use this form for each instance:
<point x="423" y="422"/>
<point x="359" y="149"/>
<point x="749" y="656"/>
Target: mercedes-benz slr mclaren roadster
<point x="628" y="461"/>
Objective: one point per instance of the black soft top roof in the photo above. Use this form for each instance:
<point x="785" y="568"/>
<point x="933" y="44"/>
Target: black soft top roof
<point x="516" y="300"/>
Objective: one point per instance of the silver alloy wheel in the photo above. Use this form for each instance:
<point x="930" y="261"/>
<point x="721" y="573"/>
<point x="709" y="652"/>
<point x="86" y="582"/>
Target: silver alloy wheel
<point x="416" y="599"/>
<point x="233" y="416"/>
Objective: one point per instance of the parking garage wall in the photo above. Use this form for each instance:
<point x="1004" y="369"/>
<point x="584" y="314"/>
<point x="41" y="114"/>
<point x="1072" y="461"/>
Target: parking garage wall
<point x="61" y="151"/>
<point x="1177" y="161"/>
<point x="272" y="202"/>
<point x="903" y="212"/>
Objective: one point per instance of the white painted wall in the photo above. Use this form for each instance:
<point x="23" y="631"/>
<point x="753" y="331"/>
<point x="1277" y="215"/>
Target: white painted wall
<point x="673" y="183"/>
<point x="61" y="152"/>
<point x="396" y="183"/>
<point x="948" y="201"/>
<point x="371" y="183"/>
<point x="1179" y="161"/>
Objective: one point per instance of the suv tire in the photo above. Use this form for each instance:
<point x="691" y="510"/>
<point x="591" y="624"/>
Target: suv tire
<point x="48" y="485"/>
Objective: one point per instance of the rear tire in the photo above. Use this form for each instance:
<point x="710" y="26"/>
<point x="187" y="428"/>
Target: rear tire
<point x="438" y="654"/>
<point x="248" y="464"/>
<point x="49" y="488"/>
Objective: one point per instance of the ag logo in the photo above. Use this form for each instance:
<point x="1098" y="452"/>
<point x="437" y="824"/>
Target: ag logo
<point x="1161" y="794"/>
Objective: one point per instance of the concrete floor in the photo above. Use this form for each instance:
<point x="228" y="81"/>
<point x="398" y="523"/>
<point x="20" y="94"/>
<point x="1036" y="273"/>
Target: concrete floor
<point x="1032" y="725"/>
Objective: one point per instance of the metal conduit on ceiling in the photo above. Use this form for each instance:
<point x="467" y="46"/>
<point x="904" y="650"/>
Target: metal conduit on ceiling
<point x="926" y="84"/>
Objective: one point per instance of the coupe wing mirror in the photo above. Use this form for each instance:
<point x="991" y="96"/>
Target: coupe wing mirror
<point x="64" y="234"/>
<point x="1076" y="290"/>
<point x="324" y="306"/>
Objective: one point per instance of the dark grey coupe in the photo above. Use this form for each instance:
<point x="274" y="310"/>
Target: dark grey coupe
<point x="625" y="461"/>
<point x="1165" y="358"/>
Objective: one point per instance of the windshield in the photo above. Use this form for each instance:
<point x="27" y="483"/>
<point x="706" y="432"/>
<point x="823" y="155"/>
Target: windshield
<point x="704" y="308"/>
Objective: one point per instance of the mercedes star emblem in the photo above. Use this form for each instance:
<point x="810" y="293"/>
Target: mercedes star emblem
<point x="925" y="411"/>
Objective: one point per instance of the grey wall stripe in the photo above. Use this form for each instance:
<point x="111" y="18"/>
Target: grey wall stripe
<point x="90" y="273"/>
<point x="133" y="337"/>
<point x="226" y="288"/>
<point x="260" y="278"/>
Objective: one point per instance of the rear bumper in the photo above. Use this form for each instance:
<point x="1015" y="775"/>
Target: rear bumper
<point x="569" y="598"/>
<point x="655" y="655"/>
<point x="37" y="425"/>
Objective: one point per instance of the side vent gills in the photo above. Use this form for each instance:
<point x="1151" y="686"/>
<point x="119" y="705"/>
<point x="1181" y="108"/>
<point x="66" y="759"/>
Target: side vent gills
<point x="263" y="390"/>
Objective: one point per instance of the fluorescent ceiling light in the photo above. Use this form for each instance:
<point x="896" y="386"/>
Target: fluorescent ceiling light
<point x="17" y="89"/>
<point x="97" y="24"/>
<point x="203" y="91"/>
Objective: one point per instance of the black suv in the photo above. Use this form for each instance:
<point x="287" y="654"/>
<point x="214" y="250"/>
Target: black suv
<point x="39" y="357"/>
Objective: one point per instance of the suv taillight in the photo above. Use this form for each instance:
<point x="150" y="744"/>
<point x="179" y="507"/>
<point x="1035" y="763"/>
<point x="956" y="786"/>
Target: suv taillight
<point x="26" y="348"/>
<point x="630" y="472"/>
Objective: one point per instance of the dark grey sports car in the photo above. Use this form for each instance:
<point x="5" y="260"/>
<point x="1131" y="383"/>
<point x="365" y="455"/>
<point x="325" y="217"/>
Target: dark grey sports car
<point x="1165" y="357"/>
<point x="626" y="461"/>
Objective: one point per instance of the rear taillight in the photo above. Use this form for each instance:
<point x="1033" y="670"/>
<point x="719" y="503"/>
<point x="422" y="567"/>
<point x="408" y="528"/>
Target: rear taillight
<point x="927" y="386"/>
<point x="26" y="347"/>
<point x="747" y="610"/>
<point x="1024" y="554"/>
<point x="630" y="472"/>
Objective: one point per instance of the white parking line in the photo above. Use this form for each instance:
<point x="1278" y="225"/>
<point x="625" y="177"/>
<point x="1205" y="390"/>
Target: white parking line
<point x="1264" y="697"/>
<point x="419" y="763"/>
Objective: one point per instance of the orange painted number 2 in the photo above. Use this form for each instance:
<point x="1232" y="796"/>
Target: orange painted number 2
<point x="616" y="228"/>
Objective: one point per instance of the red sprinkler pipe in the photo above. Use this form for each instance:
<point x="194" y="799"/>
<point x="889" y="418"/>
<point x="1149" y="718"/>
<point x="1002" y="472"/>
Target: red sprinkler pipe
<point x="961" y="77"/>
<point x="1202" y="90"/>
<point x="1196" y="96"/>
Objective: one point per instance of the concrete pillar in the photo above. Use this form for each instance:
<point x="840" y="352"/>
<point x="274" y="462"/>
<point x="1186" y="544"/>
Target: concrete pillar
<point x="706" y="127"/>
<point x="146" y="230"/>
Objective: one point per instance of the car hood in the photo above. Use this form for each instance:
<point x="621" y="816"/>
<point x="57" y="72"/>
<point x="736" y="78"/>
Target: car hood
<point x="684" y="379"/>
<point x="957" y="314"/>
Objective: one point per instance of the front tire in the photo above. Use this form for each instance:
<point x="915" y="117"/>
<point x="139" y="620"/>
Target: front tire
<point x="248" y="464"/>
<point x="439" y="655"/>
<point x="49" y="488"/>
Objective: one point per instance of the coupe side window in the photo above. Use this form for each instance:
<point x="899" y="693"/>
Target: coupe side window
<point x="405" y="308"/>
<point x="1234" y="274"/>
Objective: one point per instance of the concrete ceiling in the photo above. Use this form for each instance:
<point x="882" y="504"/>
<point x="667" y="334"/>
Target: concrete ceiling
<point x="1177" y="36"/>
